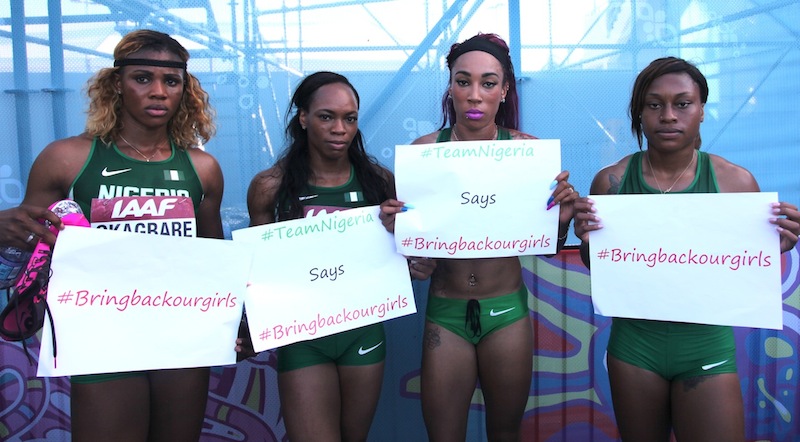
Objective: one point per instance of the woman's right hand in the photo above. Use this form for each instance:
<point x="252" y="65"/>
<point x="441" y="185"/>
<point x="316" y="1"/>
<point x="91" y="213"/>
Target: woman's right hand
<point x="389" y="209"/>
<point x="21" y="227"/>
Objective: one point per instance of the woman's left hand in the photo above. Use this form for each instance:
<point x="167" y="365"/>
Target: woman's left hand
<point x="421" y="268"/>
<point x="788" y="227"/>
<point x="564" y="195"/>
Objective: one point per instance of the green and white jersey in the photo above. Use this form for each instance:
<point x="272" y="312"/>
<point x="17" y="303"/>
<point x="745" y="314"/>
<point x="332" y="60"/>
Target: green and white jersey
<point x="316" y="200"/>
<point x="110" y="174"/>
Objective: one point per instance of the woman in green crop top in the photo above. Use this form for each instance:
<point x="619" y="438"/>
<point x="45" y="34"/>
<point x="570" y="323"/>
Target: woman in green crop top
<point x="495" y="350"/>
<point x="146" y="115"/>
<point x="694" y="391"/>
<point x="329" y="387"/>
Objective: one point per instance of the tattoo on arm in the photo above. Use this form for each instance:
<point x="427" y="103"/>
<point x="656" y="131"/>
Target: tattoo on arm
<point x="614" y="184"/>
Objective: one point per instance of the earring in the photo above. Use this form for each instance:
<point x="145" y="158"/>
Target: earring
<point x="503" y="100"/>
<point x="302" y="127"/>
<point x="119" y="92"/>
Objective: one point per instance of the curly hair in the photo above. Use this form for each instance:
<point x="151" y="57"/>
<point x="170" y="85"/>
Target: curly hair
<point x="295" y="161"/>
<point x="508" y="113"/>
<point x="657" y="68"/>
<point x="192" y="122"/>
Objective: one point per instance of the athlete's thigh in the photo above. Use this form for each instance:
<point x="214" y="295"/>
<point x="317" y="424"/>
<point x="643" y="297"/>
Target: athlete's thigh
<point x="448" y="378"/>
<point x="360" y="390"/>
<point x="311" y="403"/>
<point x="505" y="361"/>
<point x="708" y="408"/>
<point x="178" y="404"/>
<point x="641" y="402"/>
<point x="115" y="410"/>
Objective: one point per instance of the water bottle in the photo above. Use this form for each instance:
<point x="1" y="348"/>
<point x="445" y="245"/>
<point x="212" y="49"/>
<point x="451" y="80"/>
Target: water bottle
<point x="12" y="262"/>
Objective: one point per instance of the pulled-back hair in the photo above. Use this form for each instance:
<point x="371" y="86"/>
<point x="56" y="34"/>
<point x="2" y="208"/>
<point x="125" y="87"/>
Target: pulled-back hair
<point x="295" y="162"/>
<point x="508" y="113"/>
<point x="192" y="122"/>
<point x="657" y="68"/>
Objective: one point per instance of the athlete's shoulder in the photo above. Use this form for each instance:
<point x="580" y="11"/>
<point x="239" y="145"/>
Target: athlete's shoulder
<point x="71" y="144"/>
<point x="609" y="178"/>
<point x="262" y="195"/>
<point x="70" y="150"/>
<point x="267" y="181"/>
<point x="732" y="177"/>
<point x="517" y="135"/>
<point x="199" y="155"/>
<point x="427" y="139"/>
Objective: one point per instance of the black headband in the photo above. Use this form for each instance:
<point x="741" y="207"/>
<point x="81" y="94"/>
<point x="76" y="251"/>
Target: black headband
<point x="149" y="62"/>
<point x="478" y="44"/>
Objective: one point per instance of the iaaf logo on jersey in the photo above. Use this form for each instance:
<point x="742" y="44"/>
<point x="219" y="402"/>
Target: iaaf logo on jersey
<point x="133" y="208"/>
<point x="141" y="207"/>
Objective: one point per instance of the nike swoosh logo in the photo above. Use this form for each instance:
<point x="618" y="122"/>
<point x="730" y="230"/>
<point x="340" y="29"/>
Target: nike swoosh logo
<point x="107" y="172"/>
<point x="716" y="364"/>
<point x="500" y="312"/>
<point x="303" y="198"/>
<point x="362" y="351"/>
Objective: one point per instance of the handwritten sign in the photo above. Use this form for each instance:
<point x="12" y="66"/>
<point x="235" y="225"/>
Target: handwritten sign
<point x="321" y="275"/>
<point x="701" y="258"/>
<point x="125" y="301"/>
<point x="477" y="199"/>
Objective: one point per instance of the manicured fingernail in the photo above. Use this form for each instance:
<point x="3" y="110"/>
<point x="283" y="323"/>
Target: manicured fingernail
<point x="553" y="184"/>
<point x="408" y="206"/>
<point x="550" y="201"/>
<point x="550" y="205"/>
<point x="404" y="209"/>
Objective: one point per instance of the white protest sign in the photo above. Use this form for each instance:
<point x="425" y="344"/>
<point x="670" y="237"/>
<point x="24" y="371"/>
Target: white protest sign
<point x="477" y="199"/>
<point x="321" y="275"/>
<point x="700" y="258"/>
<point x="128" y="301"/>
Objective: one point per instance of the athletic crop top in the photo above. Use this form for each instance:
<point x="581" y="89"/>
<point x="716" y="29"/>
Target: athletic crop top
<point x="316" y="200"/>
<point x="109" y="174"/>
<point x="444" y="134"/>
<point x="705" y="181"/>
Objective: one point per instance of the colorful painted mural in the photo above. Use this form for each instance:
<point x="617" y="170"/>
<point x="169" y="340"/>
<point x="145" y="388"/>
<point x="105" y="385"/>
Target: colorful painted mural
<point x="569" y="395"/>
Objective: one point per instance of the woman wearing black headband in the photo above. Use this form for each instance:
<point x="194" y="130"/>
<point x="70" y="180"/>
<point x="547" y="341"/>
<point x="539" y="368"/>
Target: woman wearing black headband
<point x="495" y="348"/>
<point x="145" y="118"/>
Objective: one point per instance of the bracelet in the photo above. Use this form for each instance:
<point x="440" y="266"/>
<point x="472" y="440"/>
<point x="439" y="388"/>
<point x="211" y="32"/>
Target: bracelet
<point x="562" y="238"/>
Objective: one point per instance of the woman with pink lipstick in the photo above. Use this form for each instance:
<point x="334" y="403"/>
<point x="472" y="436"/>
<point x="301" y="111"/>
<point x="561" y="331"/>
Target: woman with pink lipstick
<point x="329" y="387"/>
<point x="465" y="340"/>
<point x="668" y="376"/>
<point x="146" y="115"/>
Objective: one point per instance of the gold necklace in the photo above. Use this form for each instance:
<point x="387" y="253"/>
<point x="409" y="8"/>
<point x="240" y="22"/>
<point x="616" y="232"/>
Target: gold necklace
<point x="146" y="158"/>
<point x="455" y="135"/>
<point x="653" y="172"/>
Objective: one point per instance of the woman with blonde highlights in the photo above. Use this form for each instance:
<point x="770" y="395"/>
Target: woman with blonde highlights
<point x="146" y="116"/>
